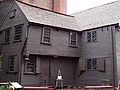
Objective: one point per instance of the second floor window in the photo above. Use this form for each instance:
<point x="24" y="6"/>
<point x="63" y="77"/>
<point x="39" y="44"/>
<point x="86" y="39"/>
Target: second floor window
<point x="7" y="35"/>
<point x="18" y="33"/>
<point x="46" y="35"/>
<point x="91" y="36"/>
<point x="73" y="39"/>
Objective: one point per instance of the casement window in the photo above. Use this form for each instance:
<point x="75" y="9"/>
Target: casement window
<point x="92" y="64"/>
<point x="18" y="33"/>
<point x="73" y="39"/>
<point x="12" y="66"/>
<point x="91" y="36"/>
<point x="7" y="35"/>
<point x="12" y="13"/>
<point x="30" y="65"/>
<point x="46" y="35"/>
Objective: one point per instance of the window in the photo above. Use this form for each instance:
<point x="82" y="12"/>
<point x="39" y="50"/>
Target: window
<point x="18" y="33"/>
<point x="30" y="65"/>
<point x="7" y="35"/>
<point x="12" y="13"/>
<point x="12" y="64"/>
<point x="91" y="64"/>
<point x="91" y="36"/>
<point x="46" y="35"/>
<point x="73" y="39"/>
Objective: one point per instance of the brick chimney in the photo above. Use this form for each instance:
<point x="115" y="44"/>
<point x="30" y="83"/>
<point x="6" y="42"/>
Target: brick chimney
<point x="60" y="6"/>
<point x="54" y="5"/>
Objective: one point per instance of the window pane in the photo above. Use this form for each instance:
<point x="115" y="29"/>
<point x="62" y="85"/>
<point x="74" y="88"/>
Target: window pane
<point x="46" y="39"/>
<point x="7" y="35"/>
<point x="73" y="38"/>
<point x="11" y="63"/>
<point x="30" y="64"/>
<point x="94" y="63"/>
<point x="46" y="35"/>
<point x="94" y="36"/>
<point x="89" y="36"/>
<point x="18" y="32"/>
<point x="89" y="64"/>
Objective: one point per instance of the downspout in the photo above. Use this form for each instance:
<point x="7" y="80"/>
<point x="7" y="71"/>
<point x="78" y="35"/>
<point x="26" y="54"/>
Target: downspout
<point x="20" y="68"/>
<point x="113" y="55"/>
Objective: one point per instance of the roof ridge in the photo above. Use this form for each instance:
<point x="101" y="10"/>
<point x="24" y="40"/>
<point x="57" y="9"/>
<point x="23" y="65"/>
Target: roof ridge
<point x="44" y="8"/>
<point x="95" y="7"/>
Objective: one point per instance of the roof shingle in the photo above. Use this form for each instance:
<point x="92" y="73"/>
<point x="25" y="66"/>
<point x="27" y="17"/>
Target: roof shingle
<point x="46" y="17"/>
<point x="99" y="16"/>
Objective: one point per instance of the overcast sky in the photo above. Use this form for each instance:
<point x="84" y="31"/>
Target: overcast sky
<point x="79" y="5"/>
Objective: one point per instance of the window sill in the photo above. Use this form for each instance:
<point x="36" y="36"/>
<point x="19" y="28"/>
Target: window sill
<point x="73" y="46"/>
<point x="17" y="41"/>
<point x="92" y="42"/>
<point x="45" y="43"/>
<point x="30" y="73"/>
<point x="6" y="43"/>
<point x="91" y="69"/>
<point x="11" y="72"/>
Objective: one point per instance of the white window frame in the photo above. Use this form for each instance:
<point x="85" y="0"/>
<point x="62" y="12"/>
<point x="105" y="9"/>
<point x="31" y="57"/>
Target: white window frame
<point x="49" y="36"/>
<point x="71" y="40"/>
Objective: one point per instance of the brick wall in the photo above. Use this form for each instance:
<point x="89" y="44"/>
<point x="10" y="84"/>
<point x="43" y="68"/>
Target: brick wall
<point x="60" y="6"/>
<point x="55" y="5"/>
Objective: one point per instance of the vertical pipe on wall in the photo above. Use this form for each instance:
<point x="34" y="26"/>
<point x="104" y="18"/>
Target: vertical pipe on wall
<point x="113" y="54"/>
<point x="49" y="70"/>
<point x="20" y="68"/>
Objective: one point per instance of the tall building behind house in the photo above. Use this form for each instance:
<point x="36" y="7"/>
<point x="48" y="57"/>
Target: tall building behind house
<point x="54" y="5"/>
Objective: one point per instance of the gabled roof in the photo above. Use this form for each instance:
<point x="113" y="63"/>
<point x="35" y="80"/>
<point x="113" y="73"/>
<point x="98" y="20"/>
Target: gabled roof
<point x="99" y="16"/>
<point x="42" y="16"/>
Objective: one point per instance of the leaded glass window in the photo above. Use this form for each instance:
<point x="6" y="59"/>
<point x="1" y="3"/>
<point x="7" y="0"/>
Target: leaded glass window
<point x="91" y="64"/>
<point x="91" y="36"/>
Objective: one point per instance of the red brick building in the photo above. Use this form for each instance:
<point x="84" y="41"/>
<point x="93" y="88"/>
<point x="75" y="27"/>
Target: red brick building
<point x="55" y="5"/>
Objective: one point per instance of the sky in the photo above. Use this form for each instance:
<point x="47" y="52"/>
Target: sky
<point x="74" y="6"/>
